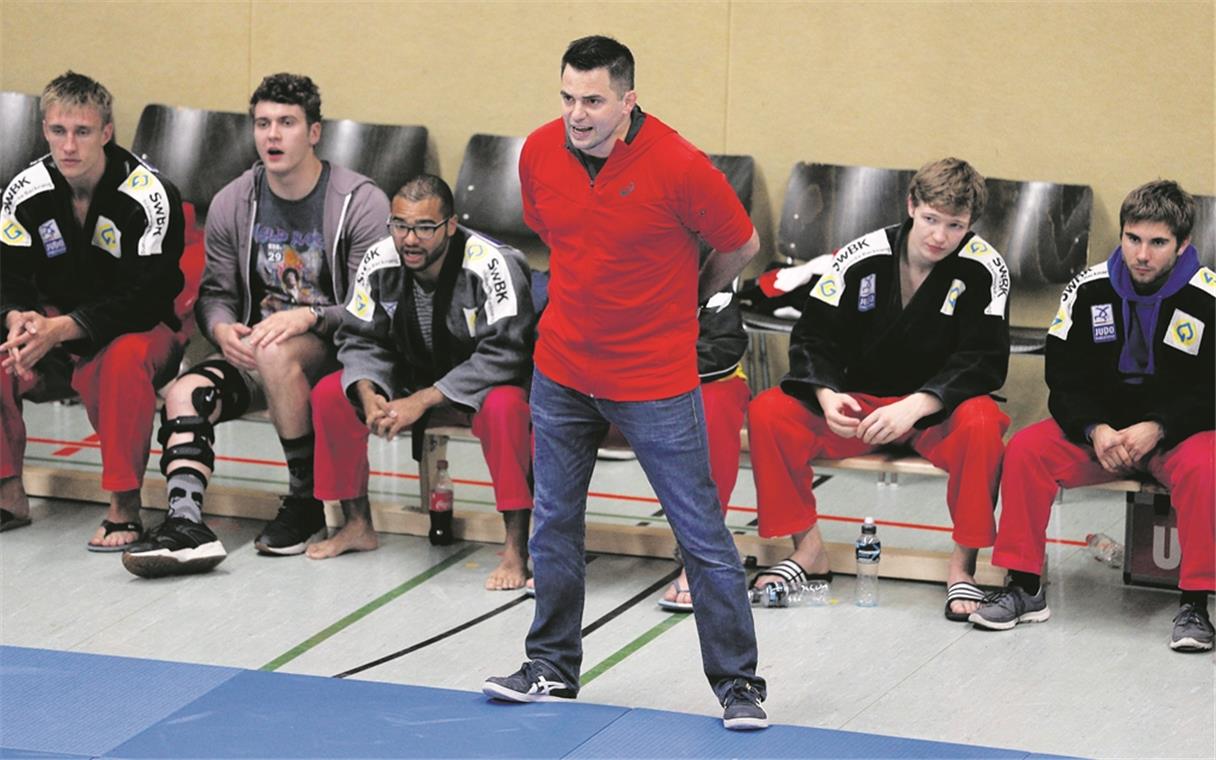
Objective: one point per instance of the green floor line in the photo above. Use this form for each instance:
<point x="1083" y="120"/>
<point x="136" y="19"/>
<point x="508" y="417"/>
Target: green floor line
<point x="367" y="609"/>
<point x="633" y="646"/>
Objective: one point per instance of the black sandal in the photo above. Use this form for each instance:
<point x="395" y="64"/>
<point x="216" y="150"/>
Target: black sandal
<point x="790" y="571"/>
<point x="134" y="526"/>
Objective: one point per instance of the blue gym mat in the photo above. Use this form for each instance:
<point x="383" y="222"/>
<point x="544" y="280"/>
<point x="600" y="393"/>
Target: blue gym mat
<point x="65" y="704"/>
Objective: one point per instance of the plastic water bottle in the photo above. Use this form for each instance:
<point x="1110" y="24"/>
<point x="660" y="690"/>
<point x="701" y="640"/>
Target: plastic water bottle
<point x="1105" y="549"/>
<point x="781" y="594"/>
<point x="441" y="506"/>
<point x="869" y="554"/>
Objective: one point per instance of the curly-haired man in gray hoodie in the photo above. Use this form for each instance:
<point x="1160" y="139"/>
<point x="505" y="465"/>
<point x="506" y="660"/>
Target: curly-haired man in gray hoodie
<point x="291" y="216"/>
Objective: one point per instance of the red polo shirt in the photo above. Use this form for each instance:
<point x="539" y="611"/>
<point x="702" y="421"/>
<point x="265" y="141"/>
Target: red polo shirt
<point x="621" y="323"/>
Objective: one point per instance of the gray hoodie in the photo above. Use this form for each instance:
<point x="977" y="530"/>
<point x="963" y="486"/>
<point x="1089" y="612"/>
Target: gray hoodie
<point x="355" y="214"/>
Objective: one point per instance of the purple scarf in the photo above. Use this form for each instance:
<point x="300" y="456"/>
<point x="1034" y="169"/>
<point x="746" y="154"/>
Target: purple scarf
<point x="1136" y="360"/>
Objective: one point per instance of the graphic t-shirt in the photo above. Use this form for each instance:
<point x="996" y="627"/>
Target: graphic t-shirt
<point x="289" y="259"/>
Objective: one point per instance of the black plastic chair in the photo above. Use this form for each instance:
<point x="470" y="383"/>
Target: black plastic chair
<point x="21" y="126"/>
<point x="1042" y="232"/>
<point x="199" y="151"/>
<point x="826" y="206"/>
<point x="488" y="193"/>
<point x="388" y="154"/>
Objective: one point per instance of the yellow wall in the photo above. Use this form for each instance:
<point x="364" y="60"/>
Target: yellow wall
<point x="1108" y="94"/>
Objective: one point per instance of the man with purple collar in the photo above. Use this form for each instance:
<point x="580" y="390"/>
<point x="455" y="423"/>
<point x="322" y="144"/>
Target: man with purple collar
<point x="1131" y="373"/>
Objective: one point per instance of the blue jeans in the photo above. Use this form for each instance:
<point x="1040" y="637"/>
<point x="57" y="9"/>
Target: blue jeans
<point x="669" y="439"/>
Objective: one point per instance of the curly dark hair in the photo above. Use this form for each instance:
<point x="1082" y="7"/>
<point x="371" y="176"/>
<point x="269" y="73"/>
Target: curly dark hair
<point x="291" y="89"/>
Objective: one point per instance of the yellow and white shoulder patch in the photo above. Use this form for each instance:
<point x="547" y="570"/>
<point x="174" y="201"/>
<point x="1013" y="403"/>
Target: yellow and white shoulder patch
<point x="147" y="190"/>
<point x="831" y="286"/>
<point x="381" y="255"/>
<point x="1185" y="333"/>
<point x="1062" y="324"/>
<point x="978" y="249"/>
<point x="484" y="259"/>
<point x="1205" y="280"/>
<point x="36" y="179"/>
<point x="107" y="236"/>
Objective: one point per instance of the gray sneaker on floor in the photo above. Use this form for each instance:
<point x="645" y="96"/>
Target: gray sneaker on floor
<point x="1192" y="630"/>
<point x="741" y="708"/>
<point x="1002" y="610"/>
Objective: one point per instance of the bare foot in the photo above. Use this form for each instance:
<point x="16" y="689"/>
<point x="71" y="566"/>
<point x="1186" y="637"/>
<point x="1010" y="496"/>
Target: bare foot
<point x="679" y="592"/>
<point x="512" y="572"/>
<point x="124" y="508"/>
<point x="354" y="536"/>
<point x="809" y="553"/>
<point x="962" y="569"/>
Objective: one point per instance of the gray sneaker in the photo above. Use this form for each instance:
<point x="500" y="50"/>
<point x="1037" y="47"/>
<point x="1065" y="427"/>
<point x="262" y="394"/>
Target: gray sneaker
<point x="1192" y="630"/>
<point x="531" y="683"/>
<point x="741" y="708"/>
<point x="1002" y="610"/>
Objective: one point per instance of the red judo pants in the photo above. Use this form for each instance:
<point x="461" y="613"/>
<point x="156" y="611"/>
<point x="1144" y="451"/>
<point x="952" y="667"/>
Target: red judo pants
<point x="117" y="391"/>
<point x="502" y="425"/>
<point x="785" y="436"/>
<point x="1040" y="459"/>
<point x="725" y="407"/>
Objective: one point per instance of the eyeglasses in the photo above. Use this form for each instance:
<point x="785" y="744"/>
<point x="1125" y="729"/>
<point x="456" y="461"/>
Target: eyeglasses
<point x="421" y="231"/>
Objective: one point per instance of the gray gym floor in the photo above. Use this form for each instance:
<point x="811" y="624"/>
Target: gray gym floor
<point x="1097" y="680"/>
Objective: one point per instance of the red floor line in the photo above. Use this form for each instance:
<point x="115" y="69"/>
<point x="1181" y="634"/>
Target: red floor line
<point x="68" y="451"/>
<point x="89" y="443"/>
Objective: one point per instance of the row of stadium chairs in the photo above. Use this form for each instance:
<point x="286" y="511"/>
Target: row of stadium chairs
<point x="1041" y="228"/>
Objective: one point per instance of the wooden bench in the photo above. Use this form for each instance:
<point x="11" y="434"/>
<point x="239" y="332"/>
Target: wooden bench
<point x="888" y="465"/>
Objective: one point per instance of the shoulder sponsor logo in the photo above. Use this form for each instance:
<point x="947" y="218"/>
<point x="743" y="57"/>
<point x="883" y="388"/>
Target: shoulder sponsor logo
<point x="146" y="189"/>
<point x="107" y="237"/>
<point x="361" y="305"/>
<point x="829" y="289"/>
<point x="866" y="293"/>
<point x="1205" y="280"/>
<point x="1102" y="320"/>
<point x="490" y="266"/>
<point x="977" y="249"/>
<point x="831" y="286"/>
<point x="1185" y="333"/>
<point x="28" y="183"/>
<point x="872" y="244"/>
<point x="14" y="234"/>
<point x="956" y="289"/>
<point x="1062" y="324"/>
<point x="52" y="239"/>
<point x="381" y="255"/>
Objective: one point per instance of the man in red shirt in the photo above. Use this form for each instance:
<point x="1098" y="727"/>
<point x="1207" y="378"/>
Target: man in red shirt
<point x="620" y="200"/>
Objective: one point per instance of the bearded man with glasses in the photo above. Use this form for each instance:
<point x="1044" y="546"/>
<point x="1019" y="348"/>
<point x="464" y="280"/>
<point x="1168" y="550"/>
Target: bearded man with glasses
<point x="438" y="330"/>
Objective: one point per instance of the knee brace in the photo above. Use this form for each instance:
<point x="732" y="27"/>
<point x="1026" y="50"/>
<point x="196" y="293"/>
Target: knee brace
<point x="204" y="400"/>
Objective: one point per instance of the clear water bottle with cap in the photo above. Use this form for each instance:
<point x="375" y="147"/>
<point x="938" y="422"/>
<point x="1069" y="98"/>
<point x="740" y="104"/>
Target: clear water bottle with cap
<point x="1105" y="549"/>
<point x="868" y="554"/>
<point x="441" y="505"/>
